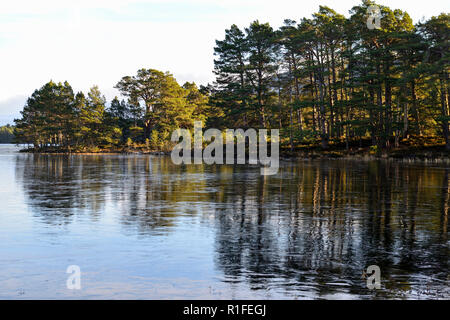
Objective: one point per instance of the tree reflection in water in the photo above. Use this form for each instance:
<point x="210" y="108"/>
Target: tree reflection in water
<point x="310" y="230"/>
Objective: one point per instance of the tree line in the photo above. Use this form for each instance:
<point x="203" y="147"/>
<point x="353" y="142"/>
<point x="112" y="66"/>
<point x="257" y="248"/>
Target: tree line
<point x="6" y="134"/>
<point x="320" y="80"/>
<point x="57" y="118"/>
<point x="332" y="78"/>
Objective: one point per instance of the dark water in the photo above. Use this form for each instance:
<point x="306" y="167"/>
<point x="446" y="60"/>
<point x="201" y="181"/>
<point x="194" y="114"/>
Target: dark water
<point x="142" y="227"/>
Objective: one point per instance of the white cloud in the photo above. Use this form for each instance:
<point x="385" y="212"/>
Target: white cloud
<point x="9" y="109"/>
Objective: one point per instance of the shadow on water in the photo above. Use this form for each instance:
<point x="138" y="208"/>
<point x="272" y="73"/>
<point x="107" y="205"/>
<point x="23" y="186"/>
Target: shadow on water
<point x="309" y="231"/>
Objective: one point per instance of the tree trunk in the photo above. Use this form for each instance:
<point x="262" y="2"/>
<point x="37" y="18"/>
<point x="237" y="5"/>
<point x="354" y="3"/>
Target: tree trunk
<point x="445" y="128"/>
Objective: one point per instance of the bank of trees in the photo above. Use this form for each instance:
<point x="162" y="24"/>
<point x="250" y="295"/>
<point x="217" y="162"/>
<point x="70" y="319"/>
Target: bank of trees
<point x="55" y="117"/>
<point x="331" y="78"/>
<point x="324" y="79"/>
<point x="7" y="134"/>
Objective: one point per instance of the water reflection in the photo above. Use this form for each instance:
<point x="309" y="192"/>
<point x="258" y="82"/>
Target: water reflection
<point x="309" y="231"/>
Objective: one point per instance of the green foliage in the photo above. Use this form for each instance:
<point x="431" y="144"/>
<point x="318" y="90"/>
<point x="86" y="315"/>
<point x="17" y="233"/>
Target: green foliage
<point x="129" y="142"/>
<point x="48" y="117"/>
<point x="7" y="134"/>
<point x="155" y="141"/>
<point x="374" y="150"/>
<point x="166" y="105"/>
<point x="333" y="76"/>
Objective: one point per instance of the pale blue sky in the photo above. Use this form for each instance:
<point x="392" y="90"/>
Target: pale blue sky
<point x="91" y="42"/>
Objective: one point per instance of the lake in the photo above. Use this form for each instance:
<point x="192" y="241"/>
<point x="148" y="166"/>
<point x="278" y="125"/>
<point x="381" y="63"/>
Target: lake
<point x="140" y="227"/>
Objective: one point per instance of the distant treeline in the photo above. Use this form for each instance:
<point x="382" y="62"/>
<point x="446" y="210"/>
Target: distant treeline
<point x="6" y="134"/>
<point x="321" y="80"/>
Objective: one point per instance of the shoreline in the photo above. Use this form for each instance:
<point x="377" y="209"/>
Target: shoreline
<point x="435" y="153"/>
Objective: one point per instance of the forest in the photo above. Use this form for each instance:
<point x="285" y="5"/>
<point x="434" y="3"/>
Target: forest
<point x="6" y="134"/>
<point x="327" y="82"/>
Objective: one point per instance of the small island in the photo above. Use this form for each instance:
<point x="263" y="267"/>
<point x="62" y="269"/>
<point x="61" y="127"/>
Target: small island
<point x="331" y="87"/>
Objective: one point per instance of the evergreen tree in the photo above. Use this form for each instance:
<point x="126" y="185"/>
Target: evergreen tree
<point x="47" y="118"/>
<point x="166" y="107"/>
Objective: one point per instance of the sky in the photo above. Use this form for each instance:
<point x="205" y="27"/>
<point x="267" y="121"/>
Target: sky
<point x="97" y="42"/>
